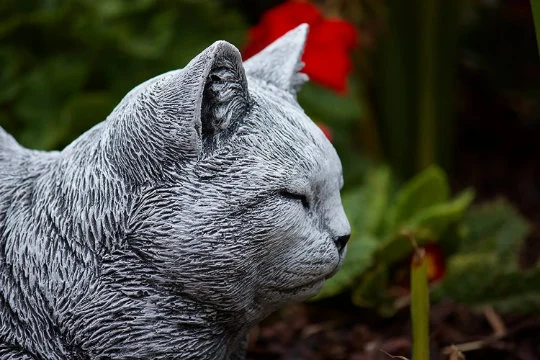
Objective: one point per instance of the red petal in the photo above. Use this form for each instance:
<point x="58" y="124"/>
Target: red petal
<point x="277" y="21"/>
<point x="328" y="66"/>
<point x="436" y="266"/>
<point x="257" y="41"/>
<point x="335" y="32"/>
<point x="328" y="44"/>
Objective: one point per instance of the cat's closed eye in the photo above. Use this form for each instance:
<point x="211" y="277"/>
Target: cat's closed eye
<point x="296" y="196"/>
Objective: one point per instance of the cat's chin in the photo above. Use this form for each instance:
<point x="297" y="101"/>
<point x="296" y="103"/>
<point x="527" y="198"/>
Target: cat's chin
<point x="301" y="292"/>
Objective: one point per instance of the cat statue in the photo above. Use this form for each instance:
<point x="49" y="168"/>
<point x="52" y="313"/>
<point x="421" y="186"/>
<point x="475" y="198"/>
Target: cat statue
<point x="205" y="201"/>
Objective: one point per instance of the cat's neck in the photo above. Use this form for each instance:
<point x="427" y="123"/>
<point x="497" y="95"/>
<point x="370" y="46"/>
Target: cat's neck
<point x="137" y="318"/>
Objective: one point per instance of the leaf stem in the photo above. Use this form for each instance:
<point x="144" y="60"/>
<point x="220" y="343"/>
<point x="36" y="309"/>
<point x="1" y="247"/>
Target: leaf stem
<point x="420" y="306"/>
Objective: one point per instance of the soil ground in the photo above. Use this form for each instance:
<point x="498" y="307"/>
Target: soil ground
<point x="324" y="331"/>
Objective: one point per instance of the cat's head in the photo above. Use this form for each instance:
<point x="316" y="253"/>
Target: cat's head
<point x="239" y="203"/>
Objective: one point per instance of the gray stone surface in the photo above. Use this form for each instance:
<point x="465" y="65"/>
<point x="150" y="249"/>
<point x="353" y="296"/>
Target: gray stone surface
<point x="205" y="201"/>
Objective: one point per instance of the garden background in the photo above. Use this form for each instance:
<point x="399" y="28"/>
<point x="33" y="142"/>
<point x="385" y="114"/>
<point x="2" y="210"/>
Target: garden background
<point x="432" y="105"/>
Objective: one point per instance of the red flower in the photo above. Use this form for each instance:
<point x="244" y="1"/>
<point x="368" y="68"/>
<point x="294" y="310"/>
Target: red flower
<point x="328" y="44"/>
<point x="435" y="263"/>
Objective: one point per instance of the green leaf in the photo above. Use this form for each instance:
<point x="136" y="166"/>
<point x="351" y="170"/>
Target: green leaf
<point x="535" y="4"/>
<point x="83" y="111"/>
<point x="438" y="218"/>
<point x="366" y="205"/>
<point x="495" y="227"/>
<point x="428" y="224"/>
<point x="116" y="8"/>
<point x="88" y="48"/>
<point x="428" y="188"/>
<point x="322" y="103"/>
<point x="478" y="279"/>
<point x="414" y="63"/>
<point x="523" y="303"/>
<point x="485" y="269"/>
<point x="371" y="289"/>
<point x="11" y="61"/>
<point x="468" y="277"/>
<point x="399" y="246"/>
<point x="358" y="258"/>
<point x="43" y="93"/>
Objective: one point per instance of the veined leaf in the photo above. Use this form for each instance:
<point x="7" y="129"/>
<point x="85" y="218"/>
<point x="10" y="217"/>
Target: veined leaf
<point x="438" y="217"/>
<point x="496" y="227"/>
<point x="323" y="103"/>
<point x="372" y="288"/>
<point x="478" y="279"/>
<point x="535" y="5"/>
<point x="398" y="246"/>
<point x="428" y="224"/>
<point x="365" y="207"/>
<point x="468" y="277"/>
<point x="428" y="188"/>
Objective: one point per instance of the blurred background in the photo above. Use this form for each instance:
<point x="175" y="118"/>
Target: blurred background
<point x="432" y="105"/>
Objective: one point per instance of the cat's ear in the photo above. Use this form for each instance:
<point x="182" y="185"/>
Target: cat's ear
<point x="280" y="62"/>
<point x="225" y="97"/>
<point x="215" y="90"/>
<point x="165" y="120"/>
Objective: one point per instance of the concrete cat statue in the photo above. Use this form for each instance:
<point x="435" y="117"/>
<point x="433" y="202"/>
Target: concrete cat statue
<point x="205" y="201"/>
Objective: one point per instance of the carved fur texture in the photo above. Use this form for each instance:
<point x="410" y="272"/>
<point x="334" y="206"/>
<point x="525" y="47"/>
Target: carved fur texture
<point x="205" y="201"/>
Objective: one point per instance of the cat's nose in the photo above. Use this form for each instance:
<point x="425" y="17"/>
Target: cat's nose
<point x="341" y="241"/>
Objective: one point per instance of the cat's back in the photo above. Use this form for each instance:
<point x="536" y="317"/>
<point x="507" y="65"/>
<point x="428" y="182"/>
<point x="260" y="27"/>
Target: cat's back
<point x="12" y="157"/>
<point x="8" y="145"/>
<point x="18" y="168"/>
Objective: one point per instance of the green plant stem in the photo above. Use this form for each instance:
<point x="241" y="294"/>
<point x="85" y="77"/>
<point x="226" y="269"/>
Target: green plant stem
<point x="427" y="121"/>
<point x="369" y="131"/>
<point x="420" y="306"/>
<point x="535" y="5"/>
